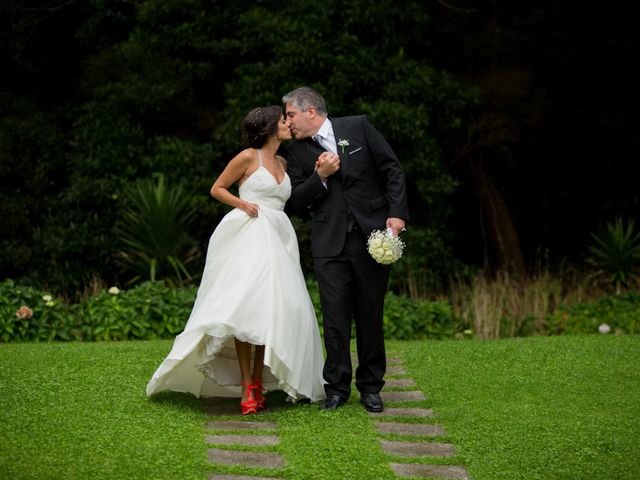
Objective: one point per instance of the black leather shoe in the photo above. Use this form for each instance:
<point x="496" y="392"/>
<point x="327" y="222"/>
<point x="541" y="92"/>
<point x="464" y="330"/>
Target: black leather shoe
<point x="332" y="402"/>
<point x="372" y="402"/>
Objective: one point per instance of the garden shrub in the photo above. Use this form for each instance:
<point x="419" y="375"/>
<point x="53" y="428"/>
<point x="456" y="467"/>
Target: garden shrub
<point x="148" y="311"/>
<point x="152" y="310"/>
<point x="620" y="312"/>
<point x="404" y="318"/>
<point x="409" y="319"/>
<point x="30" y="315"/>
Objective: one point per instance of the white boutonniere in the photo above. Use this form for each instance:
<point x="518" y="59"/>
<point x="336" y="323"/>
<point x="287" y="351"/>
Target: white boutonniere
<point x="343" y="143"/>
<point x="384" y="246"/>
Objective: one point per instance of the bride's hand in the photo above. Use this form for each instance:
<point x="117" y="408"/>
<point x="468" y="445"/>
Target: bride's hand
<point x="250" y="209"/>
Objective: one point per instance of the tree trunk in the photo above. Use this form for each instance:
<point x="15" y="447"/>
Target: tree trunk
<point x="502" y="246"/>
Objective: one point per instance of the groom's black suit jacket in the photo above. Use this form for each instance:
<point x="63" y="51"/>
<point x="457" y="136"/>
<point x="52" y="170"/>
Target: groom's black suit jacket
<point x="370" y="184"/>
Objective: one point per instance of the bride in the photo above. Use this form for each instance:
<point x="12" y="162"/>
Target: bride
<point x="253" y="297"/>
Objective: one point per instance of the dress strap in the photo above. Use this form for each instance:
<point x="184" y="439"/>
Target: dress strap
<point x="279" y="165"/>
<point x="260" y="157"/>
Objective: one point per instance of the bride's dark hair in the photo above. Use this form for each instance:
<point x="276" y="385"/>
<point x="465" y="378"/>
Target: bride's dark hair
<point x="259" y="124"/>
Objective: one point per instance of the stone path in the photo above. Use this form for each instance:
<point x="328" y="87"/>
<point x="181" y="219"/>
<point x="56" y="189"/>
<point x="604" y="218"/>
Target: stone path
<point x="418" y="440"/>
<point x="259" y="440"/>
<point x="407" y="435"/>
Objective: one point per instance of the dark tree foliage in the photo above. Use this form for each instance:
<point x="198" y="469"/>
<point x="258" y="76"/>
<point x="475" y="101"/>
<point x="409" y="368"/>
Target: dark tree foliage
<point x="158" y="86"/>
<point x="513" y="120"/>
<point x="556" y="131"/>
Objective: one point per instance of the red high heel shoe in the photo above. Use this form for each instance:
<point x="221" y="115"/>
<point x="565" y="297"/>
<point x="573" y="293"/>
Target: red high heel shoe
<point x="250" y="405"/>
<point x="259" y="394"/>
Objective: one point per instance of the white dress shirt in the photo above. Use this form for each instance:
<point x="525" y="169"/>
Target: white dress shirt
<point x="325" y="136"/>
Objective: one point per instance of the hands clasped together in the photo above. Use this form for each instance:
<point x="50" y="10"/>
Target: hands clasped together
<point x="327" y="164"/>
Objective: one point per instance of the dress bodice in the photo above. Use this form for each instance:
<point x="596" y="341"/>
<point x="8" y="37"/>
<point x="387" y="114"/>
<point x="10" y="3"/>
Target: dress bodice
<point x="262" y="188"/>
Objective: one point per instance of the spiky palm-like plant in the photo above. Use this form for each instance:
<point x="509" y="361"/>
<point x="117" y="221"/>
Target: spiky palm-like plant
<point x="615" y="253"/>
<point x="154" y="229"/>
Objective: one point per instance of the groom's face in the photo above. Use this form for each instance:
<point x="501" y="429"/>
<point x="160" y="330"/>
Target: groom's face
<point x="301" y="123"/>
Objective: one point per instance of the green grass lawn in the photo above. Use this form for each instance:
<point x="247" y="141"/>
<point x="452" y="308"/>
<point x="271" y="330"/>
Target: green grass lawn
<point x="534" y="408"/>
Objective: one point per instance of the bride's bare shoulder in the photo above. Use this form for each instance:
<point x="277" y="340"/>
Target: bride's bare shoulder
<point x="247" y="155"/>
<point x="245" y="158"/>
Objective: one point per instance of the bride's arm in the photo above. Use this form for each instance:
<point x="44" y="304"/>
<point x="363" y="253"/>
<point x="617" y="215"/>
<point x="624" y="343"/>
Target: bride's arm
<point x="239" y="167"/>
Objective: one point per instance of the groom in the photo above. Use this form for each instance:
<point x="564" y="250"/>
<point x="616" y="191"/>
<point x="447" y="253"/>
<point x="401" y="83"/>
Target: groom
<point x="345" y="172"/>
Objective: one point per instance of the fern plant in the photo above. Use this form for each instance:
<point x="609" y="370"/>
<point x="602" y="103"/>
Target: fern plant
<point x="154" y="231"/>
<point x="614" y="251"/>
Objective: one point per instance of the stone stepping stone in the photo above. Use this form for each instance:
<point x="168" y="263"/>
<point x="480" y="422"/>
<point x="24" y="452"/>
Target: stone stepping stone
<point x="405" y="412"/>
<point x="433" y="471"/>
<point x="246" y="459"/>
<point x="399" y="382"/>
<point x="253" y="440"/>
<point x="396" y="370"/>
<point x="216" y="476"/>
<point x="218" y="410"/>
<point x="422" y="429"/>
<point x="240" y="425"/>
<point x="402" y="396"/>
<point x="228" y="410"/>
<point x="417" y="449"/>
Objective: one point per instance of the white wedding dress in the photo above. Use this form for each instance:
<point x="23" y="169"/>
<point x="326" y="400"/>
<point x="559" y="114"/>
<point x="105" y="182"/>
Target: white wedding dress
<point x="252" y="289"/>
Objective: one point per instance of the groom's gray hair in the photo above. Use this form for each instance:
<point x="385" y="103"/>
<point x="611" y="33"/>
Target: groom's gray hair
<point x="304" y="97"/>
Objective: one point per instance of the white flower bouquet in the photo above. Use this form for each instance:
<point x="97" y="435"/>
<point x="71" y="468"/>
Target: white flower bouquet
<point x="384" y="246"/>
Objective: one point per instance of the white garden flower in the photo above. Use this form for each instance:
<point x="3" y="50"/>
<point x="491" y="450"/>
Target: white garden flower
<point x="114" y="290"/>
<point x="47" y="298"/>
<point x="604" y="328"/>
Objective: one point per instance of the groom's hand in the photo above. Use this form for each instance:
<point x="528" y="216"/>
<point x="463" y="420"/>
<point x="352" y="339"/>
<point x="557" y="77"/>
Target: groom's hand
<point x="327" y="164"/>
<point x="396" y="225"/>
